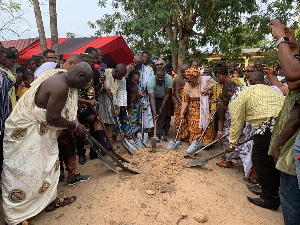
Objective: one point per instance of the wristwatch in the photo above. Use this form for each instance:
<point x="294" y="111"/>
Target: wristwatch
<point x="282" y="39"/>
<point x="297" y="56"/>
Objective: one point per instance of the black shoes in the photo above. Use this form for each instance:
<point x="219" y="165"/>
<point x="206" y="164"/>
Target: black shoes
<point x="255" y="190"/>
<point x="263" y="203"/>
<point x="93" y="155"/>
<point x="82" y="160"/>
<point x="62" y="176"/>
<point x="78" y="178"/>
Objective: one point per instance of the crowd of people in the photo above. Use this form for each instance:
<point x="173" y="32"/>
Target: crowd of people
<point x="47" y="106"/>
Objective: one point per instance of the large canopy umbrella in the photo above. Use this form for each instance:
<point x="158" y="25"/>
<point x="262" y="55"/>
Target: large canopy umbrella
<point x="114" y="48"/>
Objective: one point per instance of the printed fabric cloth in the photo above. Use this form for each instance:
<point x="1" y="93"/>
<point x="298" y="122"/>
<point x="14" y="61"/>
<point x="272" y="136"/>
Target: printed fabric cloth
<point x="184" y="130"/>
<point x="145" y="74"/>
<point x="118" y="89"/>
<point x="243" y="151"/>
<point x="5" y="85"/>
<point x="192" y="95"/>
<point x="217" y="89"/>
<point x="12" y="91"/>
<point x="31" y="165"/>
<point x="256" y="105"/>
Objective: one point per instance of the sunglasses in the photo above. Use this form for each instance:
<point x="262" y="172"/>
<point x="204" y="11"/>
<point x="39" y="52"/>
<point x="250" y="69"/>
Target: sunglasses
<point x="51" y="57"/>
<point x="160" y="64"/>
<point x="248" y="71"/>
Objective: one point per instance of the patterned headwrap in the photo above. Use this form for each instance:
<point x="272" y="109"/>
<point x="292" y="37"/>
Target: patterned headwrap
<point x="192" y="73"/>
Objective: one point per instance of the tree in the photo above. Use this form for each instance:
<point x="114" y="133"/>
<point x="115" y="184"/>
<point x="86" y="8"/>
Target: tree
<point x="40" y="24"/>
<point x="53" y="26"/>
<point x="11" y="15"/>
<point x="186" y="25"/>
<point x="70" y="35"/>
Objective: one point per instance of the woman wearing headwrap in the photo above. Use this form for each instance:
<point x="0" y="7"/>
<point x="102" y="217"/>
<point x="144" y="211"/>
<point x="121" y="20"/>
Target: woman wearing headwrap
<point x="198" y="104"/>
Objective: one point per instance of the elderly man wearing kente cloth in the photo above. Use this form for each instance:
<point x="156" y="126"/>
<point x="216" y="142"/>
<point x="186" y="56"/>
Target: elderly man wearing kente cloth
<point x="259" y="105"/>
<point x="31" y="165"/>
<point x="194" y="98"/>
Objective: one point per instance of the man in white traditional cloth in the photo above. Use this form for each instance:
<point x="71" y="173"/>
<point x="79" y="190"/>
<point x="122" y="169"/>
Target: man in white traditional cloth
<point x="31" y="165"/>
<point x="115" y="85"/>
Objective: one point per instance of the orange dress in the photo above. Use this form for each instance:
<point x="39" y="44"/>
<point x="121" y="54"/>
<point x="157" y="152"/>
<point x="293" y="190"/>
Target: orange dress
<point x="184" y="131"/>
<point x="196" y="118"/>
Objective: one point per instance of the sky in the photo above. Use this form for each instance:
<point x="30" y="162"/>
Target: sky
<point x="72" y="16"/>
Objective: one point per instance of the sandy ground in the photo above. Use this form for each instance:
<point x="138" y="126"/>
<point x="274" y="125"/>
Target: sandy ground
<point x="175" y="192"/>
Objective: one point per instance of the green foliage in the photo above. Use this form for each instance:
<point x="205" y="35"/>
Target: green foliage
<point x="70" y="35"/>
<point x="11" y="14"/>
<point x="10" y="6"/>
<point x="181" y="27"/>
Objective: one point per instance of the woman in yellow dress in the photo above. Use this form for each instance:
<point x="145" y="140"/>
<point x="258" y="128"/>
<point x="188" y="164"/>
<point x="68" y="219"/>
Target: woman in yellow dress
<point x="198" y="105"/>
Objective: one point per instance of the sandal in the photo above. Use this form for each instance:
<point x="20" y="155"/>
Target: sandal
<point x="250" y="180"/>
<point x="60" y="202"/>
<point x="223" y="164"/>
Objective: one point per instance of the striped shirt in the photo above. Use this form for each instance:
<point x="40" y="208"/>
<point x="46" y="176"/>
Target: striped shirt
<point x="5" y="85"/>
<point x="256" y="105"/>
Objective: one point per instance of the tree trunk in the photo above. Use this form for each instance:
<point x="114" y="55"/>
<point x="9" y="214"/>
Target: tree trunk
<point x="183" y="48"/>
<point x="175" y="60"/>
<point x="53" y="26"/>
<point x="40" y="25"/>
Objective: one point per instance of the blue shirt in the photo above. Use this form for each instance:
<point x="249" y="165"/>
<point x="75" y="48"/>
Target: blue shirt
<point x="157" y="89"/>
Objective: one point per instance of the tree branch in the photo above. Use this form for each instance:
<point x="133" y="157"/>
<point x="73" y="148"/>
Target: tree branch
<point x="197" y="34"/>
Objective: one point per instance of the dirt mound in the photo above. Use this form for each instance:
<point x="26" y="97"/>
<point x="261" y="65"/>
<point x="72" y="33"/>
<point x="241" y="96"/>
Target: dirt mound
<point x="165" y="192"/>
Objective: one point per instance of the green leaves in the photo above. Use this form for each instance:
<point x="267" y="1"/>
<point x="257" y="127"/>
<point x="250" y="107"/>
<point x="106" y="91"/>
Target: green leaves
<point x="173" y="26"/>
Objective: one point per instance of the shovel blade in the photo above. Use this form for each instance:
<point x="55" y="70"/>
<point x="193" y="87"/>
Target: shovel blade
<point x="194" y="147"/>
<point x="199" y="162"/>
<point x="139" y="142"/>
<point x="153" y="142"/>
<point x="107" y="163"/>
<point x="134" y="143"/>
<point x="145" y="140"/>
<point x="129" y="147"/>
<point x="174" y="145"/>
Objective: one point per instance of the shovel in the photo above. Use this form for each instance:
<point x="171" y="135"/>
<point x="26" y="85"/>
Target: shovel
<point x="107" y="163"/>
<point x="112" y="146"/>
<point x="124" y="142"/>
<point x="201" y="162"/>
<point x="93" y="141"/>
<point x="136" y="142"/>
<point x="113" y="149"/>
<point x="197" y="144"/>
<point x="145" y="137"/>
<point x="154" y="138"/>
<point x="174" y="145"/>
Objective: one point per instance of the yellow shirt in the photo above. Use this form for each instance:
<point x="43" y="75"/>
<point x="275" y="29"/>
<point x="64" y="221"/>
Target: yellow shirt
<point x="217" y="89"/>
<point x="21" y="91"/>
<point x="256" y="105"/>
<point x="12" y="91"/>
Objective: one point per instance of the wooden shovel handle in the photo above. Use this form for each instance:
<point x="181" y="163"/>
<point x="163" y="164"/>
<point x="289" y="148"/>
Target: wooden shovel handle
<point x="155" y="121"/>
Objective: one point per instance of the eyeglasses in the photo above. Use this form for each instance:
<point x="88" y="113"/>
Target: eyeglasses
<point x="51" y="57"/>
<point x="248" y="71"/>
<point x="159" y="64"/>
